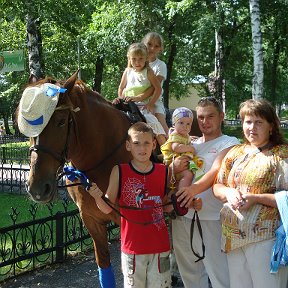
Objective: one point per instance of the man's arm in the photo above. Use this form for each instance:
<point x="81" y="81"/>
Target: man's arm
<point x="187" y="194"/>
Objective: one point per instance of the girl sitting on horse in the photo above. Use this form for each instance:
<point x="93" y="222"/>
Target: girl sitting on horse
<point x="137" y="83"/>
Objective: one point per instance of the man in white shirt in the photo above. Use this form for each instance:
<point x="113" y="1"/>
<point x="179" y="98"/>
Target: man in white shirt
<point x="210" y="148"/>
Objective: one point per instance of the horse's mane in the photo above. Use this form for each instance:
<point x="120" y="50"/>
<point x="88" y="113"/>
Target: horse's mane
<point x="79" y="88"/>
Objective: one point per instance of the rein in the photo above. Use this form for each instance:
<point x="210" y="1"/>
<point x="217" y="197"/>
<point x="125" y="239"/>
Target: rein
<point x="73" y="174"/>
<point x="112" y="205"/>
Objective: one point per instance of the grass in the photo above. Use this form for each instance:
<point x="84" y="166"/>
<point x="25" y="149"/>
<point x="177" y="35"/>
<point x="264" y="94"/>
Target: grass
<point x="25" y="210"/>
<point x="17" y="152"/>
<point x="24" y="206"/>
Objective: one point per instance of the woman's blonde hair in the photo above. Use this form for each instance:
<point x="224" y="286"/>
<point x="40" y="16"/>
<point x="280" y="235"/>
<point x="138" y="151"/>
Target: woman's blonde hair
<point x="153" y="35"/>
<point x="137" y="49"/>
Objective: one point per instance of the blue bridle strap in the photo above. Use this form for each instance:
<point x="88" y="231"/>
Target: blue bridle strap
<point x="73" y="174"/>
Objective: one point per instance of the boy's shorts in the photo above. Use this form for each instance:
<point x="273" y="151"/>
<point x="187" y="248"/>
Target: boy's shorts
<point x="147" y="270"/>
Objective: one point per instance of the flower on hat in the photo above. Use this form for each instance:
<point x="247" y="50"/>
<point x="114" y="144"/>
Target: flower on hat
<point x="181" y="113"/>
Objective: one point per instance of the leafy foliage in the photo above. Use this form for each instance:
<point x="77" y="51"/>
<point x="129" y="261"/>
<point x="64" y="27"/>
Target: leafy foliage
<point x="79" y="33"/>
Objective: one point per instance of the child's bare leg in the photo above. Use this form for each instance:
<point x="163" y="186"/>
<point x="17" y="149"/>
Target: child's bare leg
<point x="186" y="179"/>
<point x="162" y="120"/>
<point x="161" y="139"/>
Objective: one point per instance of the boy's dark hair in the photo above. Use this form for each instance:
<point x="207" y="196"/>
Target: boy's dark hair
<point x="140" y="127"/>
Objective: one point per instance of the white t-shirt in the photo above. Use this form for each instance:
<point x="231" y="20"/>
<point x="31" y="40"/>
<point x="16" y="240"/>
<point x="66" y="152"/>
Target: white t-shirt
<point x="160" y="69"/>
<point x="208" y="151"/>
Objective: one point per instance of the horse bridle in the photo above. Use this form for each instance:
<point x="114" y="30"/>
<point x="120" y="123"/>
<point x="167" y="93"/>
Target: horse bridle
<point x="61" y="158"/>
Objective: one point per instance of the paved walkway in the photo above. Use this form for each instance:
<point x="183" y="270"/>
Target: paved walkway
<point x="79" y="271"/>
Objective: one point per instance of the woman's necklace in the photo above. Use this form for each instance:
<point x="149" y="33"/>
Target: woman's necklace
<point x="257" y="150"/>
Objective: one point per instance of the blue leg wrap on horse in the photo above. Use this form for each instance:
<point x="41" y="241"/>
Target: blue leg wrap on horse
<point x="106" y="277"/>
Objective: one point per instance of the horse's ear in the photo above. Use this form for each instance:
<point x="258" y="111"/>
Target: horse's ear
<point x="71" y="81"/>
<point x="32" y="79"/>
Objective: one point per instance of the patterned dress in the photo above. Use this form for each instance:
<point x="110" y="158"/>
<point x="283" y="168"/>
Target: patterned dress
<point x="257" y="173"/>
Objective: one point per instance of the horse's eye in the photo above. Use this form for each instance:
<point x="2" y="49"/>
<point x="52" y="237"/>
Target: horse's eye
<point x="61" y="123"/>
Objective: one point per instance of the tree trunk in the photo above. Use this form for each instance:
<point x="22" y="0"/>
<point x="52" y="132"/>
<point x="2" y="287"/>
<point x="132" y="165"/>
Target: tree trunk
<point x="216" y="82"/>
<point x="99" y="68"/>
<point x="258" y="73"/>
<point x="219" y="67"/>
<point x="276" y="53"/>
<point x="34" y="45"/>
<point x="172" y="54"/>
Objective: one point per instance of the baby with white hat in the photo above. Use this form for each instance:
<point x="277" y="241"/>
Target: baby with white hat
<point x="179" y="143"/>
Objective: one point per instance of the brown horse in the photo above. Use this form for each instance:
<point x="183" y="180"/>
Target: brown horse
<point x="89" y="132"/>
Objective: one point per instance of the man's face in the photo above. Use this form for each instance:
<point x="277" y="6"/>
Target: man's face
<point x="209" y="120"/>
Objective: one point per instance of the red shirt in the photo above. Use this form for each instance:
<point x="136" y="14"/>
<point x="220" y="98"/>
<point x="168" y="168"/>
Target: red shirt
<point x="144" y="191"/>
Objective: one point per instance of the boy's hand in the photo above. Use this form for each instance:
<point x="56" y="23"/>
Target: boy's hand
<point x="197" y="204"/>
<point x="95" y="192"/>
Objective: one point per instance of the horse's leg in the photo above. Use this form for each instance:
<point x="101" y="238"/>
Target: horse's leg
<point x="95" y="221"/>
<point x="98" y="232"/>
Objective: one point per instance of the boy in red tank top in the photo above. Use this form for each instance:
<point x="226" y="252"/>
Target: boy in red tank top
<point x="145" y="245"/>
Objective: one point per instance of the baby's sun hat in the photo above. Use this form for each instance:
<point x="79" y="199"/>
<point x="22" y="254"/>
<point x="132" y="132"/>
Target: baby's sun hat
<point x="181" y="112"/>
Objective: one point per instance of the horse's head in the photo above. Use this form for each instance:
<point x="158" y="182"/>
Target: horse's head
<point x="48" y="149"/>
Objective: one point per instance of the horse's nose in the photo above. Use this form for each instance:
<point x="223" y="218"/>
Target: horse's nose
<point x="43" y="193"/>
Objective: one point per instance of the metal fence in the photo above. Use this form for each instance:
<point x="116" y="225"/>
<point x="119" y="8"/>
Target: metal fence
<point x="14" y="154"/>
<point x="14" y="149"/>
<point x="237" y="122"/>
<point x="39" y="241"/>
<point x="13" y="177"/>
<point x="4" y="139"/>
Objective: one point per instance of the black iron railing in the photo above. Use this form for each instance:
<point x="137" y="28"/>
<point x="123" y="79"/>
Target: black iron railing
<point x="4" y="139"/>
<point x="38" y="242"/>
